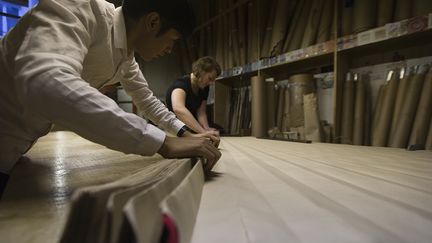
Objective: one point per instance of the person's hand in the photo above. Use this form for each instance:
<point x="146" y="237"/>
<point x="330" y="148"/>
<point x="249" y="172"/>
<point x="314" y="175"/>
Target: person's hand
<point x="214" y="130"/>
<point x="184" y="147"/>
<point x="212" y="135"/>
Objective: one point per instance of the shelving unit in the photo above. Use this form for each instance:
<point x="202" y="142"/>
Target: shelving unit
<point x="375" y="46"/>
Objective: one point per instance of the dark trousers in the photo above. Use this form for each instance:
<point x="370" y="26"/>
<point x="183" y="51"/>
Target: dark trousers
<point x="3" y="182"/>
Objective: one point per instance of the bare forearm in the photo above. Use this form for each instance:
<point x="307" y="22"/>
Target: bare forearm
<point x="202" y="119"/>
<point x="186" y="116"/>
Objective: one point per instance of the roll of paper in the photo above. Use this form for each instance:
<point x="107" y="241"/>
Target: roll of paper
<point x="281" y="107"/>
<point x="300" y="85"/>
<point x="377" y="111"/>
<point x="423" y="114"/>
<point x="259" y="105"/>
<point x="311" y="31"/>
<point x="325" y="23"/>
<point x="286" y="111"/>
<point x="421" y="7"/>
<point x="429" y="137"/>
<point x="271" y="105"/>
<point x="385" y="12"/>
<point x="359" y="111"/>
<point x="347" y="13"/>
<point x="348" y="110"/>
<point x="382" y="128"/>
<point x="404" y="76"/>
<point x="402" y="10"/>
<point x="313" y="130"/>
<point x="409" y="108"/>
<point x="364" y="15"/>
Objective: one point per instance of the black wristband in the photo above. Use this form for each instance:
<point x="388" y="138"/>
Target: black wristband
<point x="182" y="130"/>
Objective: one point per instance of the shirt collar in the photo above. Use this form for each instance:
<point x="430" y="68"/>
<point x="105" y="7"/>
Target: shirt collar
<point x="120" y="39"/>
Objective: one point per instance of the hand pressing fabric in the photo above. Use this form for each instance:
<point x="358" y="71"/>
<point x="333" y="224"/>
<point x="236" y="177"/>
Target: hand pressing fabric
<point x="191" y="146"/>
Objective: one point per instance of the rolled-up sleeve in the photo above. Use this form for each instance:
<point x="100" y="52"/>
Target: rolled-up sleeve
<point x="137" y="87"/>
<point x="48" y="69"/>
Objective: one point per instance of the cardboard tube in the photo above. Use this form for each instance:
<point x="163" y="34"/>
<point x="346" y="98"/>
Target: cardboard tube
<point x="300" y="85"/>
<point x="311" y="29"/>
<point x="259" y="104"/>
<point x="368" y="116"/>
<point x="377" y="111"/>
<point x="313" y="129"/>
<point x="325" y="24"/>
<point x="348" y="110"/>
<point x="300" y="26"/>
<point x="286" y="111"/>
<point x="266" y="35"/>
<point x="405" y="76"/>
<point x="421" y="7"/>
<point x="280" y="25"/>
<point x="281" y="107"/>
<point x="364" y="15"/>
<point x="271" y="105"/>
<point x="423" y="114"/>
<point x="385" y="12"/>
<point x="359" y="111"/>
<point x="429" y="137"/>
<point x="290" y="35"/>
<point x="382" y="128"/>
<point x="242" y="34"/>
<point x="347" y="13"/>
<point x="408" y="110"/>
<point x="402" y="10"/>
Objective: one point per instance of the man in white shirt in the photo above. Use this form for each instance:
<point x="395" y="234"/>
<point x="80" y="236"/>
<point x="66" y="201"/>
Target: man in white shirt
<point x="60" y="53"/>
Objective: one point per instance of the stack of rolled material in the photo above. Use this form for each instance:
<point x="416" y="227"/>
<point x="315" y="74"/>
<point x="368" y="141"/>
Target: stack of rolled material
<point x="382" y="126"/>
<point x="325" y="23"/>
<point x="407" y="114"/>
<point x="300" y="85"/>
<point x="385" y="12"/>
<point x="312" y="25"/>
<point x="364" y="16"/>
<point x="402" y="10"/>
<point x="347" y="12"/>
<point x="348" y="110"/>
<point x="421" y="7"/>
<point x="423" y="114"/>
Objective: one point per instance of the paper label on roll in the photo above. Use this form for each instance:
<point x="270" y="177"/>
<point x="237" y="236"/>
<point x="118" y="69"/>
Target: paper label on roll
<point x="417" y="24"/>
<point x="392" y="29"/>
<point x="365" y="37"/>
<point x="380" y="34"/>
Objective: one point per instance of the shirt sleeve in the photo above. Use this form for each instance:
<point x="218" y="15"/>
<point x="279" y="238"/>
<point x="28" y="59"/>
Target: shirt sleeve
<point x="137" y="87"/>
<point x="48" y="69"/>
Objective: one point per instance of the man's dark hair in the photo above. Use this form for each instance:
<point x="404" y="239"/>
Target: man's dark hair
<point x="174" y="14"/>
<point x="205" y="64"/>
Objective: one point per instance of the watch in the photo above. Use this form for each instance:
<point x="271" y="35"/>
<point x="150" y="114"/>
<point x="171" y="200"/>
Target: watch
<point x="182" y="130"/>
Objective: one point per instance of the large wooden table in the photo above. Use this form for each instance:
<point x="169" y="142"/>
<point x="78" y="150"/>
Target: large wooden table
<point x="267" y="191"/>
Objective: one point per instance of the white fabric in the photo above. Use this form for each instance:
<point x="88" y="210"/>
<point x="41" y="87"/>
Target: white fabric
<point x="51" y="65"/>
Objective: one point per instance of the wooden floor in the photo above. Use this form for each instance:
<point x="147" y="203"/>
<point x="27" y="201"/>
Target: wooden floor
<point x="35" y="204"/>
<point x="273" y="191"/>
<point x="266" y="191"/>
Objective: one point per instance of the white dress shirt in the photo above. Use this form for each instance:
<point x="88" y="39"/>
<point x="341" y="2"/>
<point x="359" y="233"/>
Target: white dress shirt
<point x="51" y="65"/>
